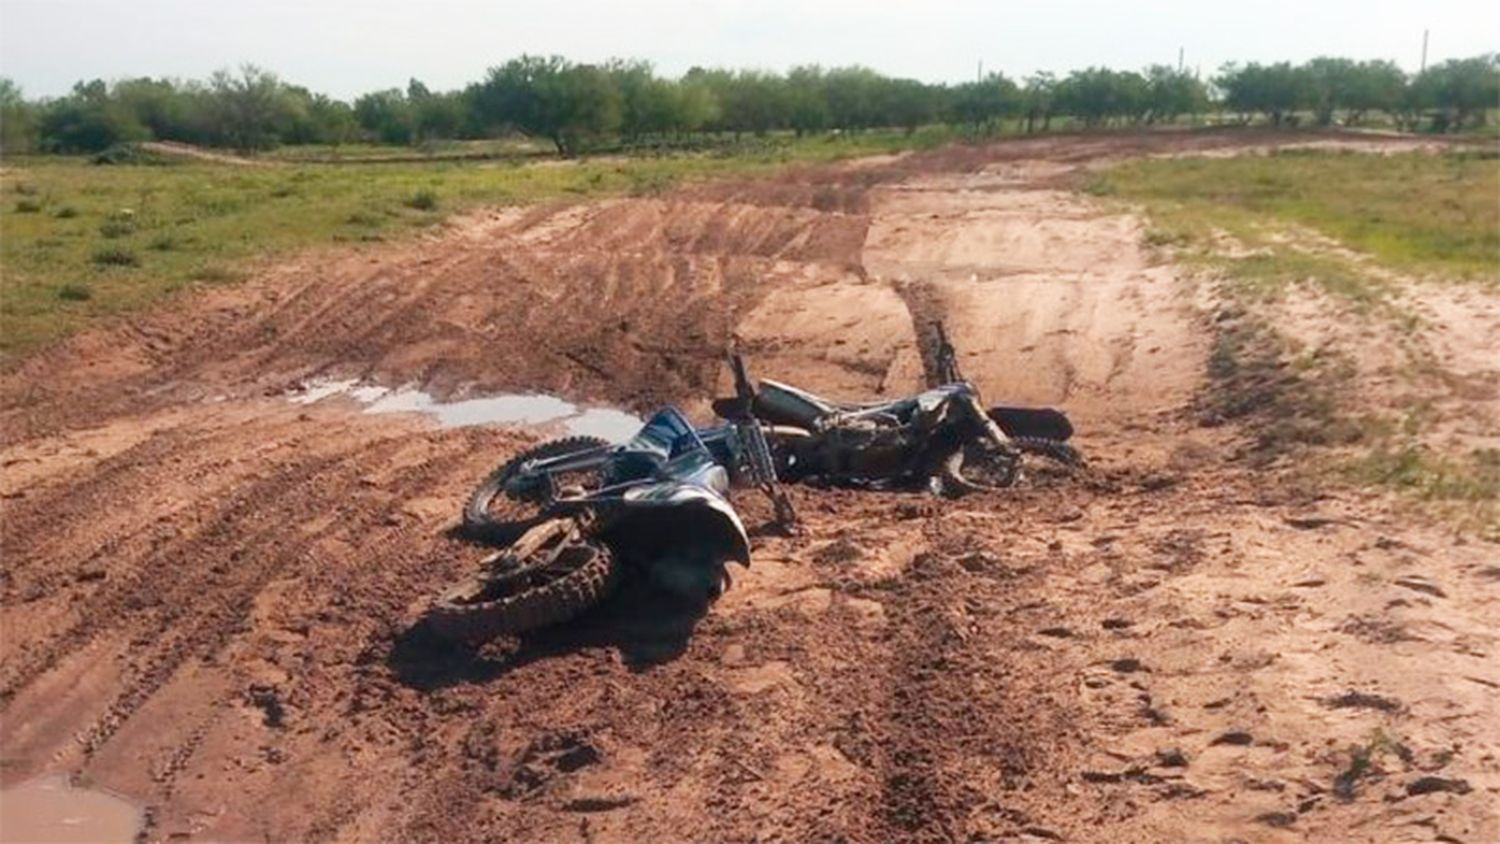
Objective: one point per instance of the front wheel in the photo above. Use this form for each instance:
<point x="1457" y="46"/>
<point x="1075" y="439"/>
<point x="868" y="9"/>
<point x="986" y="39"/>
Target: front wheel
<point x="509" y="495"/>
<point x="551" y="575"/>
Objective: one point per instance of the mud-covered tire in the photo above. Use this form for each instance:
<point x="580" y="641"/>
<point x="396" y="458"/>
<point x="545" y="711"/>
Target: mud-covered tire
<point x="1054" y="450"/>
<point x="478" y="519"/>
<point x="526" y="598"/>
<point x="979" y="467"/>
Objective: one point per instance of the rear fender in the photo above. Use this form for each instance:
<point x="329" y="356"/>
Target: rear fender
<point x="1044" y="422"/>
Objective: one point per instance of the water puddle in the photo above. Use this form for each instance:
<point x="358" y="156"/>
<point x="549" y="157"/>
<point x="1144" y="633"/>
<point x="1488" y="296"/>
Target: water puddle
<point x="51" y="810"/>
<point x="513" y="409"/>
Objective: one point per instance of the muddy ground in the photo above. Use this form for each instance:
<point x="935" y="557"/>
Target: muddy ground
<point x="210" y="593"/>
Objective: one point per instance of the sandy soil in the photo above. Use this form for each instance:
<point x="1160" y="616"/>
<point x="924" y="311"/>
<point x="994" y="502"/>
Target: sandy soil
<point x="209" y="593"/>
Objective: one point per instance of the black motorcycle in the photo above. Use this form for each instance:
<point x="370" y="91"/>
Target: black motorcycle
<point x="944" y="437"/>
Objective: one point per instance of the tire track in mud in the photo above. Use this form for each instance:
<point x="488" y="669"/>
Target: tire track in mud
<point x="925" y="306"/>
<point x="196" y="614"/>
<point x="952" y="742"/>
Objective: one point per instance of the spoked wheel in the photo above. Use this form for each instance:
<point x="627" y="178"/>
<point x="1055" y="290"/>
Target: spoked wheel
<point x="980" y="467"/>
<point x="509" y="495"/>
<point x="551" y="574"/>
<point x="1055" y="450"/>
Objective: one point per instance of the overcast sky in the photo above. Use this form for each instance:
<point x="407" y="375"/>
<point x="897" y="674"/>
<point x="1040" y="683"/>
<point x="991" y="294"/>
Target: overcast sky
<point x="347" y="47"/>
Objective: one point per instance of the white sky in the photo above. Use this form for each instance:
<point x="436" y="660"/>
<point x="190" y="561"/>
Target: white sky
<point x="347" y="47"/>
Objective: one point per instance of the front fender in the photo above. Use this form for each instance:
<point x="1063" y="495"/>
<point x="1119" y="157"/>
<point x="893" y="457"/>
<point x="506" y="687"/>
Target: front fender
<point x="671" y="512"/>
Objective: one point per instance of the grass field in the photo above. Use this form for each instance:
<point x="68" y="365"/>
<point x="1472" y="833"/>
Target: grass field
<point x="1323" y="218"/>
<point x="79" y="241"/>
<point x="1352" y="225"/>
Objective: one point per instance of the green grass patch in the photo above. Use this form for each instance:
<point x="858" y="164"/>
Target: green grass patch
<point x="75" y="293"/>
<point x="115" y="256"/>
<point x="1465" y="488"/>
<point x="133" y="234"/>
<point x="1248" y="216"/>
<point x="1435" y="477"/>
<point x="423" y="200"/>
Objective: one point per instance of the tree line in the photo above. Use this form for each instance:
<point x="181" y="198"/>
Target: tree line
<point x="580" y="106"/>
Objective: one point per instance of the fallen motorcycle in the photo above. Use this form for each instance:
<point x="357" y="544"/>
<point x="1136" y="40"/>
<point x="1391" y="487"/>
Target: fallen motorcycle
<point x="944" y="437"/>
<point x="655" y="506"/>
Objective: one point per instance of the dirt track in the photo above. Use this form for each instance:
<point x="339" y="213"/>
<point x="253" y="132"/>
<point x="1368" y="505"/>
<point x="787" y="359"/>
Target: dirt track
<point x="209" y="592"/>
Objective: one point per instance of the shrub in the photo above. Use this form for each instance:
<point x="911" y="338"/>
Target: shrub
<point x="130" y="153"/>
<point x="115" y="256"/>
<point x="67" y="212"/>
<point x="423" y="200"/>
<point x="162" y="243"/>
<point x="75" y="293"/>
<point x="27" y="206"/>
<point x="116" y="227"/>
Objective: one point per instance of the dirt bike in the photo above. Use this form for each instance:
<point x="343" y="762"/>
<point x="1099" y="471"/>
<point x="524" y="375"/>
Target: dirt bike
<point x="592" y="512"/>
<point x="943" y="437"/>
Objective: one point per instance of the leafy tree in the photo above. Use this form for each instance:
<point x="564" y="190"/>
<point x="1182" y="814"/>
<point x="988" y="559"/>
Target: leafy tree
<point x="386" y="115"/>
<point x="853" y="97"/>
<point x="1171" y="93"/>
<point x="158" y="105"/>
<point x="1038" y="100"/>
<point x="1373" y="86"/>
<point x="1459" y="92"/>
<point x="327" y="121"/>
<point x="1275" y="90"/>
<point x="983" y="104"/>
<point x="88" y="120"/>
<point x="249" y="110"/>
<point x="18" y="119"/>
<point x="907" y="103"/>
<point x="550" y="98"/>
<point x="648" y="105"/>
<point x="433" y="116"/>
<point x="806" y="101"/>
<point x="1097" y="94"/>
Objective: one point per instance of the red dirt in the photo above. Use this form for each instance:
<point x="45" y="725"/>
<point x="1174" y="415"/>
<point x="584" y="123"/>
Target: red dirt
<point x="209" y="593"/>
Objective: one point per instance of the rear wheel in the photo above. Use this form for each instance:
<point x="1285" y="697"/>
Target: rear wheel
<point x="507" y="496"/>
<point x="1054" y="450"/>
<point x="980" y="466"/>
<point x="551" y="575"/>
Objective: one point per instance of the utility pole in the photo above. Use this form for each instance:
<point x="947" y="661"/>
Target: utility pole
<point x="1424" y="50"/>
<point x="979" y="73"/>
<point x="1179" y="61"/>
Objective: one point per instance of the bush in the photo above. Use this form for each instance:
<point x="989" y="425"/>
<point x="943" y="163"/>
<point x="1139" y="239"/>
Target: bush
<point x="67" y="212"/>
<point x="27" y="206"/>
<point x="115" y="256"/>
<point x="116" y="227"/>
<point x="423" y="200"/>
<point x="131" y="154"/>
<point x="162" y="243"/>
<point x="75" y="293"/>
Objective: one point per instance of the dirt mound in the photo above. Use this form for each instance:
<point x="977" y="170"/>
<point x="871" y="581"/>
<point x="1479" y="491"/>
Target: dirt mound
<point x="176" y="149"/>
<point x="210" y="593"/>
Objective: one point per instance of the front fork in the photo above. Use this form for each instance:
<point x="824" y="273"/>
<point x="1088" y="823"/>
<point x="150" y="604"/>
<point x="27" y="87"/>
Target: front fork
<point x="763" y="471"/>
